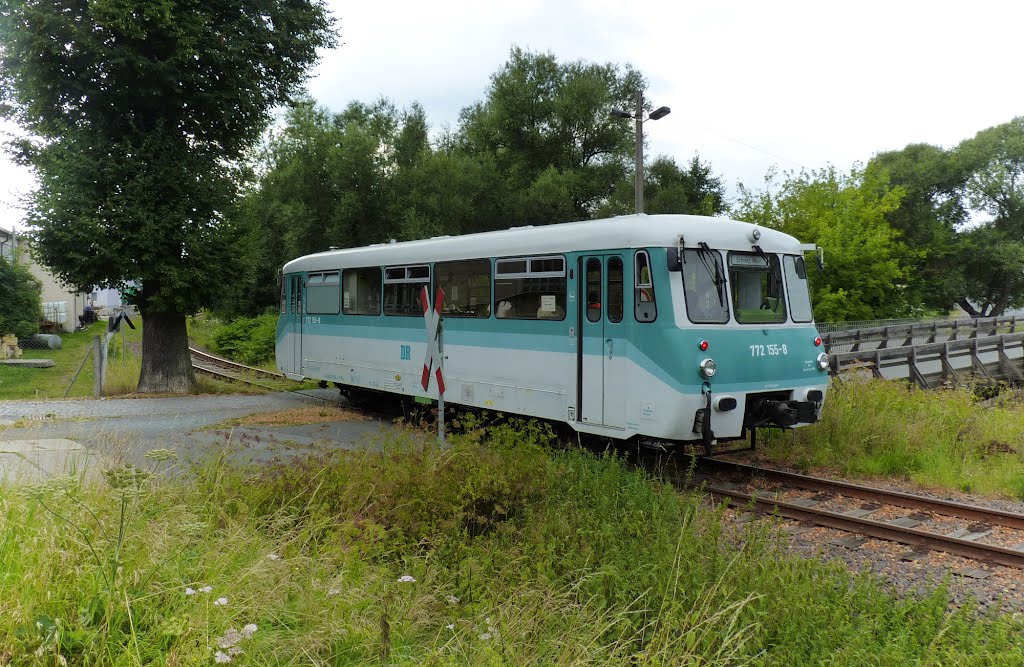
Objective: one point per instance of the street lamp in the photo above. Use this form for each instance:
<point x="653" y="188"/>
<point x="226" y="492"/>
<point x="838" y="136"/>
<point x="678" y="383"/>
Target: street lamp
<point x="657" y="114"/>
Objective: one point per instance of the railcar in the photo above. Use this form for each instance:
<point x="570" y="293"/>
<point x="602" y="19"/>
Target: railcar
<point x="671" y="328"/>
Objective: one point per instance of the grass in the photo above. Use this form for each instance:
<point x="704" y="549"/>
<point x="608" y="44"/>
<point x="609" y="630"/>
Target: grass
<point x="936" y="439"/>
<point x="484" y="553"/>
<point x="309" y="414"/>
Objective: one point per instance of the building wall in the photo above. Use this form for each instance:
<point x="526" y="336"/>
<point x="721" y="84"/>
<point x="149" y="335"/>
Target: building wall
<point x="60" y="304"/>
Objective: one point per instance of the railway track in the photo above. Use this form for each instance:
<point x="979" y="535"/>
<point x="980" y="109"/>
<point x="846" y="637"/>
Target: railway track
<point x="230" y="371"/>
<point x="910" y="529"/>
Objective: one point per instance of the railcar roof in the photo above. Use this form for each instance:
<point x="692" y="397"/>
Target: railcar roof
<point x="628" y="231"/>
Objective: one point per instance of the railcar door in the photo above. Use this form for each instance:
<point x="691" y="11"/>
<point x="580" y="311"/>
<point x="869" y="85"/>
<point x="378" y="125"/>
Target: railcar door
<point x="295" y="315"/>
<point x="602" y="350"/>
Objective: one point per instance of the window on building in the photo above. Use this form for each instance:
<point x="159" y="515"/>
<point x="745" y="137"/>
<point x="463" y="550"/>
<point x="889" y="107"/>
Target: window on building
<point x="467" y="287"/>
<point x="323" y="293"/>
<point x="644" y="306"/>
<point x="756" y="280"/>
<point x="530" y="288"/>
<point x="403" y="286"/>
<point x="360" y="293"/>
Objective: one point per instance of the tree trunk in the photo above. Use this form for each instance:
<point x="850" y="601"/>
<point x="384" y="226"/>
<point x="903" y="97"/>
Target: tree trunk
<point x="166" y="363"/>
<point x="968" y="308"/>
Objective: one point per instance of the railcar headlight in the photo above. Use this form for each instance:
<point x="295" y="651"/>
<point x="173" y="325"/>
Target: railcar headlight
<point x="822" y="361"/>
<point x="708" y="368"/>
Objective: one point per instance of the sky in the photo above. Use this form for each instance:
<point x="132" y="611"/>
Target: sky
<point x="753" y="85"/>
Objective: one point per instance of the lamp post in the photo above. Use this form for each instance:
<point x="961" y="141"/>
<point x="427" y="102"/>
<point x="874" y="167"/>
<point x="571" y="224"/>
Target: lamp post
<point x="657" y="114"/>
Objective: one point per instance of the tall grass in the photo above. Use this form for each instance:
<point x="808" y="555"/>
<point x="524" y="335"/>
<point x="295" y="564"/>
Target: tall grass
<point x="942" y="439"/>
<point x="483" y="553"/>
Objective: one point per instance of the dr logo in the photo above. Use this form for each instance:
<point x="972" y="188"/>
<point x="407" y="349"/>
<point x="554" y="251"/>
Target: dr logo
<point x="406" y="353"/>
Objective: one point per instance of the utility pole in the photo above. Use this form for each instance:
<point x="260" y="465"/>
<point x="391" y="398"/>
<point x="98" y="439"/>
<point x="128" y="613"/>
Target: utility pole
<point x="638" y="117"/>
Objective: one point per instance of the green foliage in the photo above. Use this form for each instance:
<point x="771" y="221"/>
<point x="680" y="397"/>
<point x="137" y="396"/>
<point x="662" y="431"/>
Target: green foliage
<point x="344" y="562"/>
<point x="138" y="115"/>
<point x="247" y="339"/>
<point x="21" y="305"/>
<point x="939" y="439"/>
<point x="866" y="264"/>
<point x="671" y="189"/>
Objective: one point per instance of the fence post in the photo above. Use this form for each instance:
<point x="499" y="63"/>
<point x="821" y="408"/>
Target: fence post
<point x="97" y="366"/>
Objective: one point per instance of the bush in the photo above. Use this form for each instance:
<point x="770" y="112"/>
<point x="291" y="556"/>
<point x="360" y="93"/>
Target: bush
<point x="20" y="300"/>
<point x="247" y="339"/>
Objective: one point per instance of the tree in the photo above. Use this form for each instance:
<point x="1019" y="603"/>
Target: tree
<point x="929" y="214"/>
<point x="139" y="114"/>
<point x="671" y="189"/>
<point x="21" y="304"/>
<point x="549" y="130"/>
<point x="866" y="272"/>
<point x="993" y="249"/>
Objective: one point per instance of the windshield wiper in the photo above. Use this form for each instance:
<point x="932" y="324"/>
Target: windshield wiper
<point x="706" y="254"/>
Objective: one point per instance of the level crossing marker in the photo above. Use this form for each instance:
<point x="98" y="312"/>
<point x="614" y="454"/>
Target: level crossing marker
<point x="435" y="352"/>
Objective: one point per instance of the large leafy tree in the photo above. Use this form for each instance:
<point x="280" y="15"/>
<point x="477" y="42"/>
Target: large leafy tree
<point x="929" y="214"/>
<point x="548" y="127"/>
<point x="138" y="113"/>
<point x="993" y="246"/>
<point x="669" y="188"/>
<point x="20" y="300"/>
<point x="866" y="268"/>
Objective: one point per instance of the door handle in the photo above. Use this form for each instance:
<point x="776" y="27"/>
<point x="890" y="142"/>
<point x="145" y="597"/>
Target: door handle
<point x="611" y="346"/>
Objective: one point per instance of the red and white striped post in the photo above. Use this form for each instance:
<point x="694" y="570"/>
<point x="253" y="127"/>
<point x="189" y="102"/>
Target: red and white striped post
<point x="435" y="352"/>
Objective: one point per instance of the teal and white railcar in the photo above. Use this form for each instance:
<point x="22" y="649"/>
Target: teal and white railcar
<point x="669" y="327"/>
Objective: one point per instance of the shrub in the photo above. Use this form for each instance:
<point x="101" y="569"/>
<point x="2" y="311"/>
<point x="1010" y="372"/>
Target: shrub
<point x="20" y="301"/>
<point x="247" y="339"/>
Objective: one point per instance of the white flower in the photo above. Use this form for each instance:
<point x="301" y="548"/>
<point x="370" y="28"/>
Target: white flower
<point x="406" y="579"/>
<point x="452" y="599"/>
<point x="333" y="591"/>
<point x="249" y="630"/>
<point x="485" y="636"/>
<point x="450" y="626"/>
<point x="273" y="557"/>
<point x="190" y="591"/>
<point x="230" y="638"/>
<point x="220" y="602"/>
<point x="206" y="589"/>
<point x="220" y="656"/>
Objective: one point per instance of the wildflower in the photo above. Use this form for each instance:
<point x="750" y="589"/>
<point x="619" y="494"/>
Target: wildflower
<point x="485" y="636"/>
<point x="450" y="626"/>
<point x="220" y="656"/>
<point x="273" y="557"/>
<point x="220" y="602"/>
<point x="249" y="630"/>
<point x="333" y="591"/>
<point x="407" y="579"/>
<point x="452" y="600"/>
<point x="230" y="638"/>
<point x="205" y="589"/>
<point x="190" y="591"/>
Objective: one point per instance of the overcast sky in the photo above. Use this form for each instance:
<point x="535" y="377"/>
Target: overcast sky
<point x="751" y="84"/>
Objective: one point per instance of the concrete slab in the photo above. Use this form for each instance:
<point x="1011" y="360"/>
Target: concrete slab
<point x="29" y="461"/>
<point x="29" y="363"/>
<point x="804" y="502"/>
<point x="38" y="445"/>
<point x="905" y="522"/>
<point x="968" y="534"/>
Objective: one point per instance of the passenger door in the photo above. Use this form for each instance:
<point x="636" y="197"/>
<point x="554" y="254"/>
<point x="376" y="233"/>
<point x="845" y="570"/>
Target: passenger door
<point x="602" y="365"/>
<point x="293" y="334"/>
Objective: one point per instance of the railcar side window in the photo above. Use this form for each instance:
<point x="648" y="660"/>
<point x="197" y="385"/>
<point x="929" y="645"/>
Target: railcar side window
<point x="467" y="287"/>
<point x="360" y="294"/>
<point x="593" y="289"/>
<point x="323" y="293"/>
<point x="403" y="286"/>
<point x="796" y="285"/>
<point x="704" y="285"/>
<point x="644" y="305"/>
<point x="530" y="288"/>
<point x="284" y="293"/>
<point x="615" y="290"/>
<point x="757" y="288"/>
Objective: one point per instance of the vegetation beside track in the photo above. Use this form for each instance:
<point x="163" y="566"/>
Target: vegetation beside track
<point x="483" y="553"/>
<point x="937" y="439"/>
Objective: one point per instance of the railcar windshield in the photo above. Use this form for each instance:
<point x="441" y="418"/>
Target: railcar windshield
<point x="757" y="294"/>
<point x="704" y="286"/>
<point x="796" y="286"/>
